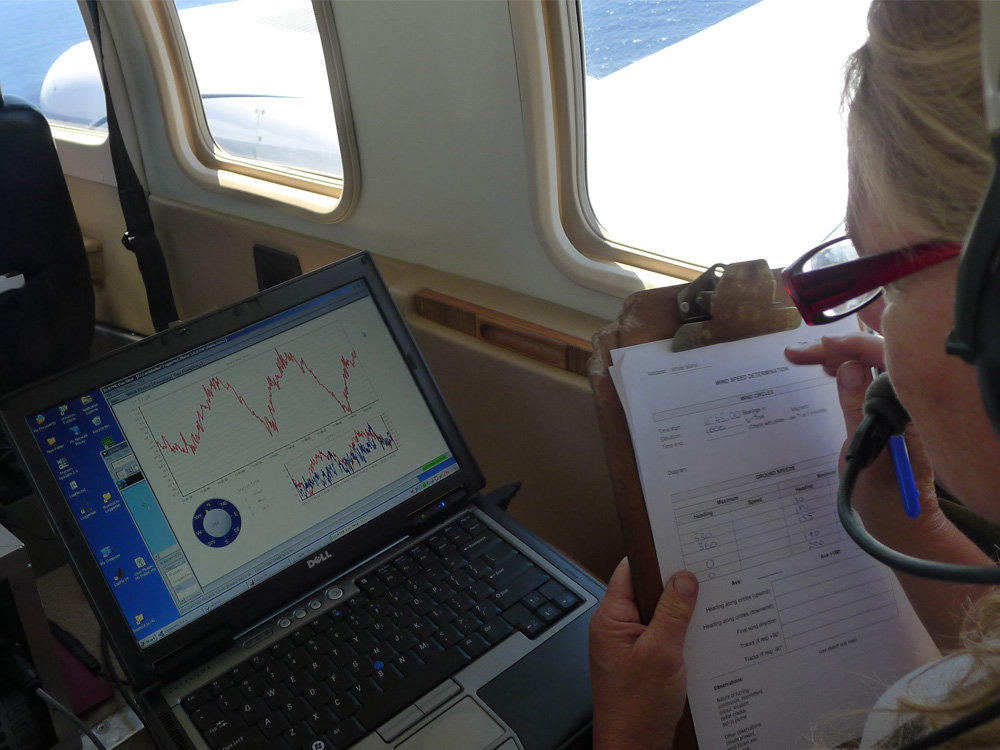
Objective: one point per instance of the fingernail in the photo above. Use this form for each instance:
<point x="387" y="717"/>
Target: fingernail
<point x="851" y="375"/>
<point x="685" y="585"/>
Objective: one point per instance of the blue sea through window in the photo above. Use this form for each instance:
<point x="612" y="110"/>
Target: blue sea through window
<point x="34" y="34"/>
<point x="620" y="32"/>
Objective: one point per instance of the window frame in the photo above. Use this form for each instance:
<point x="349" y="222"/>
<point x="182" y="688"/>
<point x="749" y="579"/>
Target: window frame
<point x="316" y="197"/>
<point x="561" y="28"/>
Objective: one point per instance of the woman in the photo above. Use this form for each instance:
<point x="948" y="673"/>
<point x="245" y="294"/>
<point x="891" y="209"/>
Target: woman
<point x="919" y="163"/>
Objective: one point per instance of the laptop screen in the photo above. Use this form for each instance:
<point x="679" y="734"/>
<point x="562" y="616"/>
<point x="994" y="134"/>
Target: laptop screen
<point x="195" y="479"/>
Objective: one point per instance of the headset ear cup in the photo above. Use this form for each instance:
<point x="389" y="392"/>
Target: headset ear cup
<point x="988" y="342"/>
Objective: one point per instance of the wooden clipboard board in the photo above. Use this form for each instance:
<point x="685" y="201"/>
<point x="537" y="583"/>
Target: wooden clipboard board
<point x="726" y="303"/>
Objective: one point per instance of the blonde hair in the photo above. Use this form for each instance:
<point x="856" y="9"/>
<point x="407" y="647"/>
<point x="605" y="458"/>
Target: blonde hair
<point x="918" y="145"/>
<point x="920" y="156"/>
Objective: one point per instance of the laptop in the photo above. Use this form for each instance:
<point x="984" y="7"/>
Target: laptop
<point x="282" y="533"/>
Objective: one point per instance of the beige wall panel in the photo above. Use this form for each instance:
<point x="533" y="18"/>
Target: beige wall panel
<point x="535" y="424"/>
<point x="211" y="254"/>
<point x="120" y="297"/>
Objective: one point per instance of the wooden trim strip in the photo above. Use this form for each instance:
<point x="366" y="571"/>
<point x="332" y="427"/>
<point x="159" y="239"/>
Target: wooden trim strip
<point x="529" y="339"/>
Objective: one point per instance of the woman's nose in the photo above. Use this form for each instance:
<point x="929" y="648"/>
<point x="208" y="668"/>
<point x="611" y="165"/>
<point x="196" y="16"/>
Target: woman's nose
<point x="871" y="315"/>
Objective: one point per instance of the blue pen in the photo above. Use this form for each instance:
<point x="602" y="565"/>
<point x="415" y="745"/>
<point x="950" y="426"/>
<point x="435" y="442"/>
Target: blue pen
<point x="904" y="476"/>
<point x="904" y="470"/>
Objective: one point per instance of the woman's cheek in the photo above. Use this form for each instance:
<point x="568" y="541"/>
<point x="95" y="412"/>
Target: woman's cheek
<point x="904" y="360"/>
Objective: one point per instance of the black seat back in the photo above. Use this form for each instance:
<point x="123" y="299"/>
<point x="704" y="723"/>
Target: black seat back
<point x="48" y="324"/>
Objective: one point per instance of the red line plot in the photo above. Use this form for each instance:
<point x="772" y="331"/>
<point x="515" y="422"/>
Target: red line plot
<point x="267" y="418"/>
<point x="247" y="408"/>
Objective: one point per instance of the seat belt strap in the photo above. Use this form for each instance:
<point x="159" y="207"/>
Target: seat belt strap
<point x="139" y="236"/>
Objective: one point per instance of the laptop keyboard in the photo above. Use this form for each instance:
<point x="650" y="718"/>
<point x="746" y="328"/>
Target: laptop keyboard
<point x="386" y="651"/>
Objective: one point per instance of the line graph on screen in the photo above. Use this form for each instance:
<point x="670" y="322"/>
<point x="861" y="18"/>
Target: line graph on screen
<point x="342" y="455"/>
<point x="245" y="407"/>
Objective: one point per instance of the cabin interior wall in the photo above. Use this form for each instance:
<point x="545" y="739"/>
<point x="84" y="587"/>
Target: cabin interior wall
<point x="119" y="296"/>
<point x="536" y="425"/>
<point x="437" y="111"/>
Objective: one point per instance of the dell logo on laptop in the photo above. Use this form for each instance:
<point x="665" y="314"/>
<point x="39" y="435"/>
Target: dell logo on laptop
<point x="321" y="557"/>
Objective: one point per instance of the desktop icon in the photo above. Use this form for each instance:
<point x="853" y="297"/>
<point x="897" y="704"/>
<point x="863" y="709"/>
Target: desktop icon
<point x="139" y="619"/>
<point x="75" y="429"/>
<point x="106" y="497"/>
<point x="96" y="421"/>
<point x="108" y="442"/>
<point x="39" y="419"/>
<point x="73" y="485"/>
<point x="140" y="562"/>
<point x="86" y="400"/>
<point x="106" y="552"/>
<point x="62" y="463"/>
<point x="51" y="441"/>
<point x="63" y="409"/>
<point x="120" y="574"/>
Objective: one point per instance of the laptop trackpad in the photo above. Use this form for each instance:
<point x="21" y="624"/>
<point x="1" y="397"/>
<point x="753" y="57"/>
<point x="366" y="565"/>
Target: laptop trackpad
<point x="463" y="725"/>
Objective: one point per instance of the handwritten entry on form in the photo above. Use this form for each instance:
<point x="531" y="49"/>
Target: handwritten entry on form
<point x="737" y="452"/>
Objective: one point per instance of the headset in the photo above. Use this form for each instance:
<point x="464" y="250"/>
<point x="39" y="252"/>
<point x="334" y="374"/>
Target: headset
<point x="975" y="338"/>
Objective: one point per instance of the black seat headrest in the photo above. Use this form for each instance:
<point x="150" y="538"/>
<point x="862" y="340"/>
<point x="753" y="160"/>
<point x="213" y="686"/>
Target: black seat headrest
<point x="47" y="324"/>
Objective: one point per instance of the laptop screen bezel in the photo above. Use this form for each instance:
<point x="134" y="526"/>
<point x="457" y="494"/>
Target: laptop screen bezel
<point x="143" y="666"/>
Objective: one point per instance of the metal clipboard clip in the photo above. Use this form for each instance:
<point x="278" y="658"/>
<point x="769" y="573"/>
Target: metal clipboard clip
<point x="731" y="302"/>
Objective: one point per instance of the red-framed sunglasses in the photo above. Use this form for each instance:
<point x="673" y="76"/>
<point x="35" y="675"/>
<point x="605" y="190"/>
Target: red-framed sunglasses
<point x="831" y="281"/>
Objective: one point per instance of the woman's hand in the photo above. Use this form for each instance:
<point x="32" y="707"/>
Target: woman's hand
<point x="637" y="671"/>
<point x="876" y="496"/>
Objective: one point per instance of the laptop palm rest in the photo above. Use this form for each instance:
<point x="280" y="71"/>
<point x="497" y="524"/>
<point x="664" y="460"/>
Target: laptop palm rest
<point x="545" y="697"/>
<point x="463" y="725"/>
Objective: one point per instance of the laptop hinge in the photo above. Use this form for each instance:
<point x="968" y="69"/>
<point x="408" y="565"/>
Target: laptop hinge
<point x="209" y="646"/>
<point x="436" y="508"/>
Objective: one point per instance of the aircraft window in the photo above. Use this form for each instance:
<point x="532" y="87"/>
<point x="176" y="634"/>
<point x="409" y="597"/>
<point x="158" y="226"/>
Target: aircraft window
<point x="46" y="58"/>
<point x="696" y="132"/>
<point x="262" y="76"/>
<point x="254" y="100"/>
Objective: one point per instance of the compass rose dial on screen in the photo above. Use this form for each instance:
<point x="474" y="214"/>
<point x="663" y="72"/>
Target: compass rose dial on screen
<point x="217" y="523"/>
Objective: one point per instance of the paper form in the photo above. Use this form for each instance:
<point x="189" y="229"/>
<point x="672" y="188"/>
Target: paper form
<point x="737" y="451"/>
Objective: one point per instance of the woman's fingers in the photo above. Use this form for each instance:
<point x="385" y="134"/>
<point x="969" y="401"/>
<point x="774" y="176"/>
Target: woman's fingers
<point x="637" y="672"/>
<point x="833" y="351"/>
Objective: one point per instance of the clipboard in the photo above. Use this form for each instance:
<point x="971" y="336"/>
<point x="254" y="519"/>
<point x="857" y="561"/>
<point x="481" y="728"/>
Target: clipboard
<point x="726" y="303"/>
